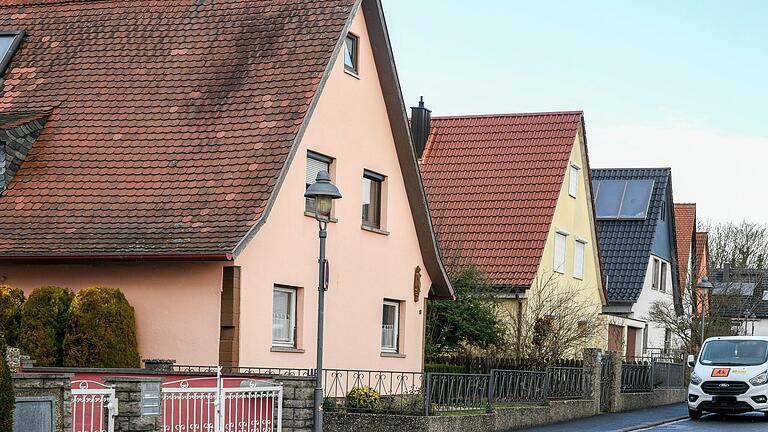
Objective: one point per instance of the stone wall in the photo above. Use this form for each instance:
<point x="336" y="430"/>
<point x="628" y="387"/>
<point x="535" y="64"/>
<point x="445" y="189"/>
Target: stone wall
<point x="297" y="403"/>
<point x="503" y="419"/>
<point x="128" y="393"/>
<point x="48" y="385"/>
<point x="633" y="401"/>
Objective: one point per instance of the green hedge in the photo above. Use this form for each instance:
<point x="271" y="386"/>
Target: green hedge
<point x="7" y="396"/>
<point x="44" y="323"/>
<point x="443" y="368"/>
<point x="101" y="331"/>
<point x="11" y="302"/>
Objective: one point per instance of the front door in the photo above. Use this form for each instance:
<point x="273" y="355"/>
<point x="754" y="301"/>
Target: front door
<point x="631" y="343"/>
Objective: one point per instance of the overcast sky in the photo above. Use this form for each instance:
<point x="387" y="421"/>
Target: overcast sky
<point x="682" y="84"/>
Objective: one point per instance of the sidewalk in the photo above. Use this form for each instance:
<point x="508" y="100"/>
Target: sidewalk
<point x="623" y="421"/>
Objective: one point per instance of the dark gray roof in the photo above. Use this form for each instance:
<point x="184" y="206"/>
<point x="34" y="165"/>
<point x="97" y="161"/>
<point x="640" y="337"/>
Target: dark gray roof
<point x="625" y="245"/>
<point x="740" y="300"/>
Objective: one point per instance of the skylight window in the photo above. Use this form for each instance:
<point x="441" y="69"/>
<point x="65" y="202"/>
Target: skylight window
<point x="622" y="199"/>
<point x="9" y="42"/>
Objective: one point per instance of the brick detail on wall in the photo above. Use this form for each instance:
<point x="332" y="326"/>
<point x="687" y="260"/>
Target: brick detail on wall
<point x="229" y="334"/>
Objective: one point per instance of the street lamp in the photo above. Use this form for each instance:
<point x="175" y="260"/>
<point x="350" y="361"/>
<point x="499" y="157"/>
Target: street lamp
<point x="704" y="286"/>
<point x="323" y="192"/>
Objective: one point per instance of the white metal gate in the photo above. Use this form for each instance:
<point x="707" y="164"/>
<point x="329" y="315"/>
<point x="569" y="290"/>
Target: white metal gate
<point x="217" y="404"/>
<point x="94" y="407"/>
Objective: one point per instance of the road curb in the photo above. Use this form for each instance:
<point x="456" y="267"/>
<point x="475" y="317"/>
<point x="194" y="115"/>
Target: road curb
<point x="651" y="424"/>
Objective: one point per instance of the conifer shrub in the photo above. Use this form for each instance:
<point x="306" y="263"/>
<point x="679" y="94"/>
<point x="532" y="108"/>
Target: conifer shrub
<point x="44" y="321"/>
<point x="102" y="330"/>
<point x="7" y="394"/>
<point x="11" y="302"/>
<point x="362" y="399"/>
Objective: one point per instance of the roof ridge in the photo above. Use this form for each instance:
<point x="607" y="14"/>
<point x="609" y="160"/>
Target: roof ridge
<point x="523" y="114"/>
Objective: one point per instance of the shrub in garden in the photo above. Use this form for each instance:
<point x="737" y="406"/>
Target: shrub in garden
<point x="362" y="399"/>
<point x="11" y="301"/>
<point x="44" y="321"/>
<point x="101" y="331"/>
<point x="7" y="395"/>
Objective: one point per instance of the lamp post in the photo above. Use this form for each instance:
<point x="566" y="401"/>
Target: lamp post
<point x="704" y="286"/>
<point x="323" y="192"/>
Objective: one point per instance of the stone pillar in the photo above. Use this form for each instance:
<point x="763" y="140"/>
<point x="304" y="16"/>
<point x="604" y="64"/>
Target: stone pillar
<point x="614" y="404"/>
<point x="128" y="391"/>
<point x="297" y="403"/>
<point x="56" y="388"/>
<point x="159" y="365"/>
<point x="592" y="364"/>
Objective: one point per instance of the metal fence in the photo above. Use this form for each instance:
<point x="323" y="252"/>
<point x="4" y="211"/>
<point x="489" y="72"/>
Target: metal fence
<point x="400" y="392"/>
<point x="569" y="383"/>
<point x="668" y="374"/>
<point x="636" y="376"/>
<point x="457" y="392"/>
<point x="643" y="375"/>
<point x="519" y="387"/>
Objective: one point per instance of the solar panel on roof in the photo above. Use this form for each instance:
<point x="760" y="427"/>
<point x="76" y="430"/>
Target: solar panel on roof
<point x="622" y="199"/>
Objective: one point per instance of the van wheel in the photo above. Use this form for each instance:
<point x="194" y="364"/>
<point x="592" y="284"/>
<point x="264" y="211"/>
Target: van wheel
<point x="693" y="414"/>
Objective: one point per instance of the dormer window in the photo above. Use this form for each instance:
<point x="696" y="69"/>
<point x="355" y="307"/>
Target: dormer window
<point x="9" y="43"/>
<point x="350" y="53"/>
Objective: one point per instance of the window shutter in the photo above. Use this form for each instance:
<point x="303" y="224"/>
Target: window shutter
<point x="578" y="260"/>
<point x="314" y="166"/>
<point x="559" y="253"/>
<point x="573" y="181"/>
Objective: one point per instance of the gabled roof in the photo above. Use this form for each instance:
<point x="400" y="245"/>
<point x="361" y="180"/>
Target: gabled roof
<point x="172" y="120"/>
<point x="492" y="183"/>
<point x="685" y="225"/>
<point x="626" y="244"/>
<point x="744" y="290"/>
<point x="169" y="125"/>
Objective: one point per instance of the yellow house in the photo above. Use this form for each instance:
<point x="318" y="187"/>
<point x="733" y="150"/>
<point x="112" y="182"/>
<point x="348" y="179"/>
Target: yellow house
<point x="511" y="196"/>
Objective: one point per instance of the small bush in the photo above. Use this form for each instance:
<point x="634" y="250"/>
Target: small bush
<point x="44" y="320"/>
<point x="7" y="396"/>
<point x="443" y="368"/>
<point x="11" y="301"/>
<point x="362" y="399"/>
<point x="102" y="330"/>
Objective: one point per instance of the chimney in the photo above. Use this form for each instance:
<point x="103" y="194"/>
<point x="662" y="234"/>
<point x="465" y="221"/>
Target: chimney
<point x="421" y="118"/>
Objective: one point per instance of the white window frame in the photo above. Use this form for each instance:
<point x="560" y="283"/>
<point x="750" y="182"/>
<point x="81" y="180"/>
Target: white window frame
<point x="396" y="348"/>
<point x="578" y="268"/>
<point x="293" y="293"/>
<point x="663" y="276"/>
<point x="573" y="179"/>
<point x="561" y="238"/>
<point x="655" y="271"/>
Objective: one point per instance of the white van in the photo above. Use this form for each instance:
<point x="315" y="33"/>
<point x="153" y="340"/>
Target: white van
<point x="729" y="377"/>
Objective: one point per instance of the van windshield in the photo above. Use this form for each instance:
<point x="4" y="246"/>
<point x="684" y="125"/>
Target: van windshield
<point x="734" y="353"/>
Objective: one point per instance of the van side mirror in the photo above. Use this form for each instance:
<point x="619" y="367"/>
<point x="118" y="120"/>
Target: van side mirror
<point x="691" y="360"/>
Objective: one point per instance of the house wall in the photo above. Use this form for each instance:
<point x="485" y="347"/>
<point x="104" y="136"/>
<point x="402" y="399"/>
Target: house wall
<point x="176" y="304"/>
<point x="350" y="124"/>
<point x="642" y="307"/>
<point x="575" y="216"/>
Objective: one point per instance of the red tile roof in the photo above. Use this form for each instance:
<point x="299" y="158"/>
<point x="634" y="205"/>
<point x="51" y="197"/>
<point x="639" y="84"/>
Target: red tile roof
<point x="492" y="185"/>
<point x="685" y="226"/>
<point x="169" y="122"/>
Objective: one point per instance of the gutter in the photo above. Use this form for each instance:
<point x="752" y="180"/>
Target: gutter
<point x="137" y="257"/>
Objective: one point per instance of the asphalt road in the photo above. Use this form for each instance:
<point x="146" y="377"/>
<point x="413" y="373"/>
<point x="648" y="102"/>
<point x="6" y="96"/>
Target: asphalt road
<point x="740" y="423"/>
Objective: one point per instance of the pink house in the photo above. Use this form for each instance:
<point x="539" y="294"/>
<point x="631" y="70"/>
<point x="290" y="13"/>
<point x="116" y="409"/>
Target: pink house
<point x="163" y="148"/>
